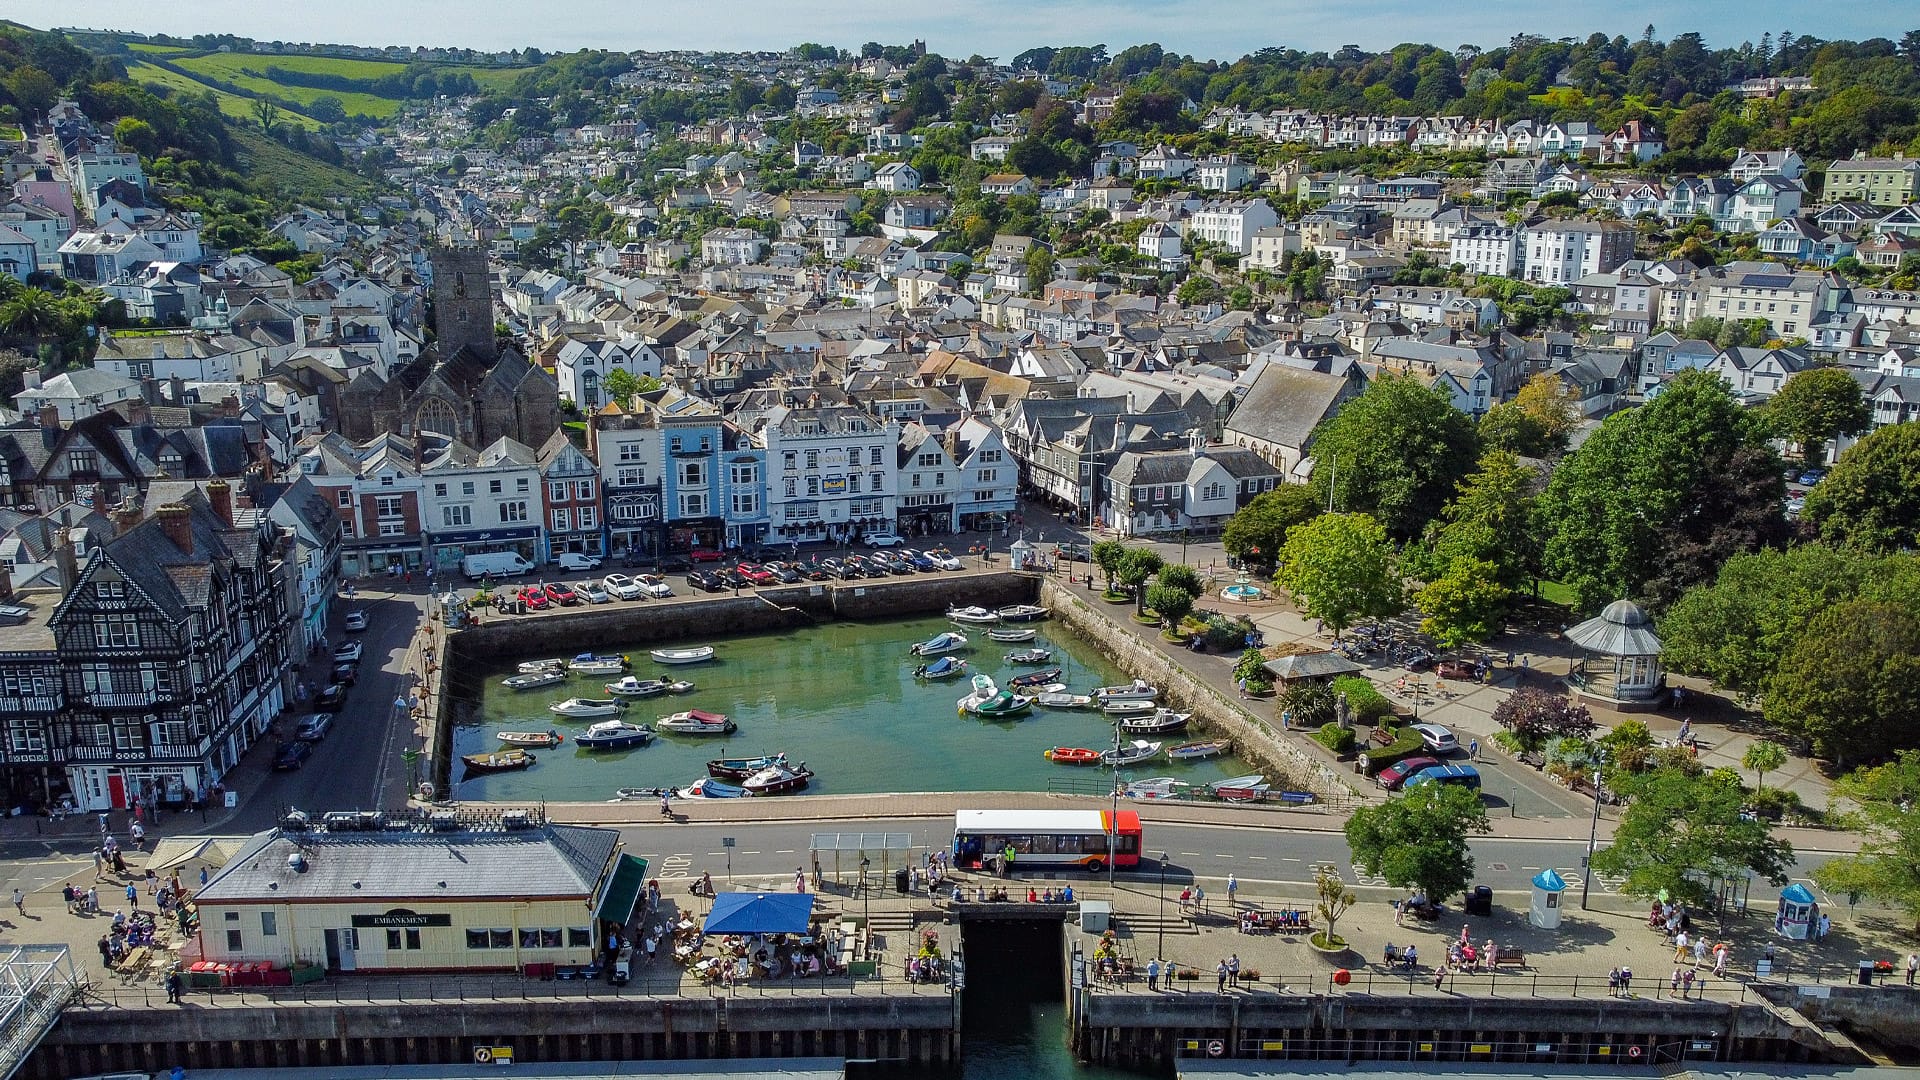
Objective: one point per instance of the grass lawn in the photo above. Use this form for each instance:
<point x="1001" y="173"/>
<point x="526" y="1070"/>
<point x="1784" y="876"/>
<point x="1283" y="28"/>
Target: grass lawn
<point x="248" y="71"/>
<point x="1555" y="593"/>
<point x="233" y="106"/>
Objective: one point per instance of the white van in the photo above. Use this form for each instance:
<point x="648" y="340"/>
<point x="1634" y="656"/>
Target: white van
<point x="573" y="560"/>
<point x="496" y="564"/>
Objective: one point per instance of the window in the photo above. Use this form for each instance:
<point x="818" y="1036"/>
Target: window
<point x="786" y="460"/>
<point x="233" y="941"/>
<point x="1215" y="491"/>
<point x="853" y="484"/>
<point x="522" y="485"/>
<point x="479" y="939"/>
<point x="939" y="479"/>
<point x="694" y="505"/>
<point x="440" y="491"/>
<point x="387" y="506"/>
<point x="876" y="482"/>
<point x="513" y="511"/>
<point x="987" y="476"/>
<point x="393" y="528"/>
<point x="693" y="473"/>
<point x="744" y="473"/>
<point x="346" y="497"/>
<point x="495" y="487"/>
<point x="916" y="480"/>
<point x="116" y="631"/>
<point x="788" y="487"/>
<point x="455" y="516"/>
<point x="630" y="451"/>
<point x="584" y="491"/>
<point x="562" y="521"/>
<point x="557" y="491"/>
<point x="630" y="476"/>
<point x="466" y="488"/>
<point x="587" y="518"/>
<point x="270" y="924"/>
<point x="579" y="937"/>
<point x="813" y="486"/>
<point x="746" y="504"/>
<point x="813" y="460"/>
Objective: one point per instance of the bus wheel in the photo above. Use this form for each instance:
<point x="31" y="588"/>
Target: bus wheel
<point x="1094" y="866"/>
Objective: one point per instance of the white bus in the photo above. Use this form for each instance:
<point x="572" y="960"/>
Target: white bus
<point x="1084" y="838"/>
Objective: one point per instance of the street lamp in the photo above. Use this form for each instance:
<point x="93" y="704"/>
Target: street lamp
<point x="1593" y="830"/>
<point x="1113" y="824"/>
<point x="1160" y="950"/>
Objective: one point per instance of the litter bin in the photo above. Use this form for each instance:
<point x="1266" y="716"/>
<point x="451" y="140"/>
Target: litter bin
<point x="900" y="881"/>
<point x="1866" y="973"/>
<point x="1480" y="901"/>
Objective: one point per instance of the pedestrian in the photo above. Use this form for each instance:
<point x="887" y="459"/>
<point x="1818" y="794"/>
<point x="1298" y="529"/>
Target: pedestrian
<point x="153" y="882"/>
<point x="173" y="988"/>
<point x="1673" y="985"/>
<point x="1473" y="749"/>
<point x="1199" y="899"/>
<point x="1220" y="978"/>
<point x="203" y="877"/>
<point x="1913" y="966"/>
<point x="1153" y="974"/>
<point x="1613" y="981"/>
<point x="20" y="901"/>
<point x="1686" y="984"/>
<point x="133" y="896"/>
<point x="106" y="952"/>
<point x="1826" y="926"/>
<point x="1233" y="887"/>
<point x="799" y="880"/>
<point x="99" y="862"/>
<point x="1699" y="950"/>
<point x="139" y="834"/>
<point x="1720" y="961"/>
<point x="1007" y="859"/>
<point x="93" y="900"/>
<point x="1439" y="976"/>
<point x="1233" y="970"/>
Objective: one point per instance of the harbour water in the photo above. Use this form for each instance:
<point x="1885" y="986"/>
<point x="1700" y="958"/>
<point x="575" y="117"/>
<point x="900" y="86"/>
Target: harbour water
<point x="841" y="696"/>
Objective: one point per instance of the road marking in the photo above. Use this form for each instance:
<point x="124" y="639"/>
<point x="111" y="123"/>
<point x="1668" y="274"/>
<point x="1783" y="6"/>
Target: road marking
<point x="749" y="853"/>
<point x="715" y="854"/>
<point x="677" y="866"/>
<point x="780" y="851"/>
<point x="1195" y="854"/>
<point x="1218" y="855"/>
<point x="1261" y="858"/>
<point x="1283" y="858"/>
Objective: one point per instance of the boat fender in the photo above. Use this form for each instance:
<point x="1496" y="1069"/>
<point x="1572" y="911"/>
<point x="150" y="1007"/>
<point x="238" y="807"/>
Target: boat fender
<point x="426" y="791"/>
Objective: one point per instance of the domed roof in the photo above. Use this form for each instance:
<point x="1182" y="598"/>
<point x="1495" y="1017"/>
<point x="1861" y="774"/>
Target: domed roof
<point x="1622" y="629"/>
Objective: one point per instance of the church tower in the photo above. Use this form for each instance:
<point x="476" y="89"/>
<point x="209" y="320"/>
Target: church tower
<point x="463" y="301"/>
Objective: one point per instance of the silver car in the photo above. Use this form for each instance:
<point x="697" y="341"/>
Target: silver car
<point x="593" y="592"/>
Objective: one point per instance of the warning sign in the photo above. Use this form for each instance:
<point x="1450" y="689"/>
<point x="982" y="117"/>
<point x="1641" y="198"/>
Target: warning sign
<point x="493" y="1055"/>
<point x="1215" y="1048"/>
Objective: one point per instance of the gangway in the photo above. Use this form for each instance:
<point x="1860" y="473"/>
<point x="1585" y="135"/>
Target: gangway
<point x="37" y="982"/>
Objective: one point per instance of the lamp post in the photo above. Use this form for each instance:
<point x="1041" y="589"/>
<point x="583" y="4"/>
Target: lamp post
<point x="1160" y="949"/>
<point x="1593" y="829"/>
<point x="1113" y="824"/>
<point x="864" y="861"/>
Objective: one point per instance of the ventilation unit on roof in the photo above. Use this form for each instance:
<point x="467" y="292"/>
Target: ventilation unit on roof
<point x="297" y="862"/>
<point x="444" y="820"/>
<point x="516" y="819"/>
<point x="340" y="821"/>
<point x="295" y="821"/>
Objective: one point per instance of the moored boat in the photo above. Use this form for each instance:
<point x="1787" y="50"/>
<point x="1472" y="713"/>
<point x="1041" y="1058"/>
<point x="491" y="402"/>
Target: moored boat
<point x="944" y="668"/>
<point x="634" y="794"/>
<point x="633" y="686"/>
<point x="740" y="768"/>
<point x="1157" y="787"/>
<point x="530" y="738"/>
<point x="596" y="664"/>
<point x="498" y="761"/>
<point x="976" y="616"/>
<point x="696" y="722"/>
<point x="778" y="779"/>
<point x="534" y="680"/>
<point x="679" y="686"/>
<point x="1035" y="678"/>
<point x="709" y="788"/>
<point x="1195" y="751"/>
<point x="1022" y="613"/>
<point x="613" y="735"/>
<point x="697" y="654"/>
<point x="1249" y="788"/>
<point x="1137" y="690"/>
<point x="1133" y="753"/>
<point x="990" y="701"/>
<point x="1072" y="755"/>
<point x="1064" y="700"/>
<point x="529" y="667"/>
<point x="1129" y="708"/>
<point x="1162" y="722"/>
<point x="1013" y="633"/>
<point x="945" y="642"/>
<point x="1029" y="656"/>
<point x="580" y="707"/>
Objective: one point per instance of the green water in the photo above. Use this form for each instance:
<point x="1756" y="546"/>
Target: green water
<point x="840" y="696"/>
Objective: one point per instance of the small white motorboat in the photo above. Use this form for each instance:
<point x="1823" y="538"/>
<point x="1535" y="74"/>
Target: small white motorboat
<point x="595" y="664"/>
<point x="1133" y="753"/>
<point x="973" y="616"/>
<point x="1060" y="700"/>
<point x="778" y="779"/>
<point x="696" y="722"/>
<point x="1137" y="690"/>
<point x="1128" y="708"/>
<point x="632" y="686"/>
<point x="946" y="642"/>
<point x="581" y="708"/>
<point x="1162" y="722"/>
<point x="1250" y="788"/>
<point x="680" y="686"/>
<point x="946" y="667"/>
<point x="1022" y="613"/>
<point x="1012" y="634"/>
<point x="1157" y="787"/>
<point x="529" y="667"/>
<point x="534" y="680"/>
<point x="709" y="788"/>
<point x="530" y="738"/>
<point x="695" y="655"/>
<point x="1029" y="656"/>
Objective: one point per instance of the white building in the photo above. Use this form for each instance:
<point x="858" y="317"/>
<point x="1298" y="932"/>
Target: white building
<point x="1563" y="252"/>
<point x="732" y="247"/>
<point x="1271" y="246"/>
<point x="1231" y="223"/>
<point x="1486" y="249"/>
<point x="1224" y="172"/>
<point x="929" y="483"/>
<point x="831" y="473"/>
<point x="988" y="474"/>
<point x="479" y="503"/>
<point x="896" y="177"/>
<point x="582" y="364"/>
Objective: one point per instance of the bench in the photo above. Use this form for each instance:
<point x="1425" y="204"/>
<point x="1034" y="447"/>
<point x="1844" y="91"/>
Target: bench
<point x="1383" y="735"/>
<point x="1275" y="922"/>
<point x="1510" y="958"/>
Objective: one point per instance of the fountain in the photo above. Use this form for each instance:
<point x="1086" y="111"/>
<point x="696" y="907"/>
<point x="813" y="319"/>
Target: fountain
<point x="1243" y="591"/>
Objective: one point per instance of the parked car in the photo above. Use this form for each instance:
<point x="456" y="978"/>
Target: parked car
<point x="332" y="698"/>
<point x="854" y="566"/>
<point x="813" y="570"/>
<point x="535" y="597"/>
<point x="706" y="555"/>
<point x="784" y="573"/>
<point x="884" y="540"/>
<point x="573" y="560"/>
<point x="706" y="581"/>
<point x="653" y="585"/>
<point x="562" y="593"/>
<point x="1073" y="553"/>
<point x="944" y="559"/>
<point x="1438" y="739"/>
<point x="347" y="652"/>
<point x="315" y="727"/>
<point x="624" y="587"/>
<point x="755" y="575"/>
<point x="593" y="592"/>
<point x="346" y="674"/>
<point x="919" y="559"/>
<point x="671" y="563"/>
<point x="292" y="755"/>
<point x="899" y="563"/>
<point x="1811" y="477"/>
<point x="356" y="621"/>
<point x="1463" y="775"/>
<point x="1396" y="774"/>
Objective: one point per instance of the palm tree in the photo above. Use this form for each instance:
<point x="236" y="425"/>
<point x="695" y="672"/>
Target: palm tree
<point x="31" y="313"/>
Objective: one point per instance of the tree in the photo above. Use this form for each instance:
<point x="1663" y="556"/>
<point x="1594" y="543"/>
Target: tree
<point x="1341" y="567"/>
<point x="266" y="113"/>
<point x="1763" y="757"/>
<point x="1490" y="518"/>
<point x="1333" y="899"/>
<point x="1182" y="576"/>
<point x="1465" y="604"/>
<point x="1665" y="491"/>
<point x="1850" y="684"/>
<point x="621" y="384"/>
<point x="1140" y="564"/>
<point x="327" y="109"/>
<point x="1536" y="717"/>
<point x="1256" y="532"/>
<point x="1816" y="405"/>
<point x="1419" y="841"/>
<point x="1681" y="834"/>
<point x="1883" y="807"/>
<point x="1107" y="554"/>
<point x="1170" y="602"/>
<point x="1546" y="407"/>
<point x="1871" y="499"/>
<point x="1394" y="452"/>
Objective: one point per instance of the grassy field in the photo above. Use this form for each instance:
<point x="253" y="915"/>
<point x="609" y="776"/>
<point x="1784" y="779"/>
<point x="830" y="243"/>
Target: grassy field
<point x="294" y="172"/>
<point x="248" y="71"/>
<point x="232" y="105"/>
<point x="159" y="50"/>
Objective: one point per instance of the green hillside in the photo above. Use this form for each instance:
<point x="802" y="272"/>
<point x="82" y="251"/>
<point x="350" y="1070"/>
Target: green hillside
<point x="232" y="106"/>
<point x="248" y="72"/>
<point x="265" y="161"/>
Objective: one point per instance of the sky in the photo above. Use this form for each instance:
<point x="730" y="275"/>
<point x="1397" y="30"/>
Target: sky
<point x="1208" y="29"/>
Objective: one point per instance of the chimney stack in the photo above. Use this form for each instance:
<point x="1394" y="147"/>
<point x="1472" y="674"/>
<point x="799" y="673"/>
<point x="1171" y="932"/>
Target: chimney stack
<point x="220" y="494"/>
<point x="230" y="407"/>
<point x="177" y="522"/>
<point x="6" y="584"/>
<point x="176" y="390"/>
<point x="138" y="414"/>
<point x="65" y="560"/>
<point x="50" y="419"/>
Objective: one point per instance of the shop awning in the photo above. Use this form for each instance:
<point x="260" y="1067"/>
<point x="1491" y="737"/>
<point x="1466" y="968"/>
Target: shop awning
<point x="623" y="890"/>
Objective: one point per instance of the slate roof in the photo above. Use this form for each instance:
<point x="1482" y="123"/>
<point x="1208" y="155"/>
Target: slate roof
<point x="551" y="861"/>
<point x="1284" y="404"/>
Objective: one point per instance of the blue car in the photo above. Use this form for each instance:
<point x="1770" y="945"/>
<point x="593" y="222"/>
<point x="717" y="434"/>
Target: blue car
<point x="919" y="560"/>
<point x="1813" y="476"/>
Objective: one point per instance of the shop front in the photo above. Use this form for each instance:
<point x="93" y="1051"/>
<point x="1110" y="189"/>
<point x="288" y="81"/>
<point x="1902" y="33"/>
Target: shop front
<point x="985" y="516"/>
<point x="449" y="548"/>
<point x="934" y="519"/>
<point x="378" y="555"/>
<point x="687" y="534"/>
<point x="634" y="528"/>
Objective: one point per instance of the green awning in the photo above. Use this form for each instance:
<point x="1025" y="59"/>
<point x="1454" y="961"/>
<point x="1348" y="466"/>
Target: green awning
<point x="623" y="890"/>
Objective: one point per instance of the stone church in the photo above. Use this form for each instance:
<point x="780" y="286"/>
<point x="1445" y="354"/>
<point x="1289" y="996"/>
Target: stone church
<point x="463" y="385"/>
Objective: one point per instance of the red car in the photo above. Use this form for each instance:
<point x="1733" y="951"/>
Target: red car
<point x="535" y="599"/>
<point x="562" y="594"/>
<point x="757" y="574"/>
<point x="706" y="555"/>
<point x="1396" y="774"/>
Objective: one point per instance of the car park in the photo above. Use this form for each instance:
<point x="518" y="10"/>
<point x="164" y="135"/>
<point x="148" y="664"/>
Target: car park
<point x="330" y="699"/>
<point x="1438" y="739"/>
<point x="705" y="581"/>
<point x="347" y="652"/>
<point x="1396" y="774"/>
<point x="356" y="621"/>
<point x="314" y="728"/>
<point x="291" y="755"/>
<point x="653" y="585"/>
<point x="623" y="587"/>
<point x="562" y="593"/>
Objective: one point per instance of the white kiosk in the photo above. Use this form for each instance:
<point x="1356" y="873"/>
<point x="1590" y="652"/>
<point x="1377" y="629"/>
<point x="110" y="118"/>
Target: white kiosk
<point x="1547" y="889"/>
<point x="1020" y="554"/>
<point x="1797" y="914"/>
